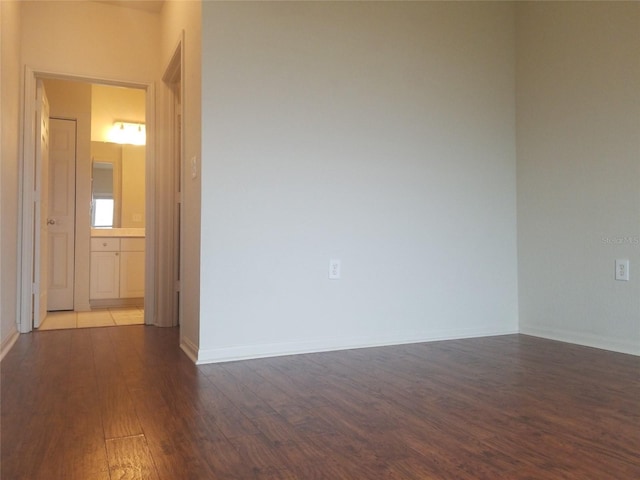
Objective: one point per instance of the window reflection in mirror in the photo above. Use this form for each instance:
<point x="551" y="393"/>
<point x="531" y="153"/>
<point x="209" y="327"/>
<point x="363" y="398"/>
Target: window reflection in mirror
<point x="102" y="198"/>
<point x="103" y="212"/>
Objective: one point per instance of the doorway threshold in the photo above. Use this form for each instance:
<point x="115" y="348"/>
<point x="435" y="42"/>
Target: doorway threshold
<point x="104" y="317"/>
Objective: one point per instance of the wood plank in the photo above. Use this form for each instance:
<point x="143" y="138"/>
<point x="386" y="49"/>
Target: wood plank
<point x="130" y="459"/>
<point x="125" y="402"/>
<point x="119" y="416"/>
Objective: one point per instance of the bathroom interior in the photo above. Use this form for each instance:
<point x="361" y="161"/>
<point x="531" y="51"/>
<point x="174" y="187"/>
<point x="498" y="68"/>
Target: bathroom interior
<point x="104" y="274"/>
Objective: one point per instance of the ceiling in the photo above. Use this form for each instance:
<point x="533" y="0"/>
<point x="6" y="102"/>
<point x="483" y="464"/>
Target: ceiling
<point x="152" y="6"/>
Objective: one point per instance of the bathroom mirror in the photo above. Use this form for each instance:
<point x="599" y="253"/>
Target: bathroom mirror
<point x="117" y="185"/>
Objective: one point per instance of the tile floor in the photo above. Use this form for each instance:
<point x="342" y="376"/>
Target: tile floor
<point x="106" y="317"/>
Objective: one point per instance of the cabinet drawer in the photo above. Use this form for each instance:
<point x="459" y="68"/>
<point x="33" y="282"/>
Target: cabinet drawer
<point x="104" y="244"/>
<point x="132" y="244"/>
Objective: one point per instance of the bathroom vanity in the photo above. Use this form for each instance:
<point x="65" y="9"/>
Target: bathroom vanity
<point x="117" y="267"/>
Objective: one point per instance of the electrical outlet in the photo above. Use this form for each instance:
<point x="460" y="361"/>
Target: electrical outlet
<point x="334" y="269"/>
<point x="622" y="270"/>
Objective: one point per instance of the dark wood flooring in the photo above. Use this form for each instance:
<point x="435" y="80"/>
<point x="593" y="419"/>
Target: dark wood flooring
<point x="126" y="403"/>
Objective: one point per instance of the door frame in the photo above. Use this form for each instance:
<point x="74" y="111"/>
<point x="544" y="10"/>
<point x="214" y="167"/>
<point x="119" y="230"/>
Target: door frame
<point x="27" y="192"/>
<point x="170" y="232"/>
<point x="42" y="120"/>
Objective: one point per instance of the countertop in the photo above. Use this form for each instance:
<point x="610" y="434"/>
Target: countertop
<point x="117" y="232"/>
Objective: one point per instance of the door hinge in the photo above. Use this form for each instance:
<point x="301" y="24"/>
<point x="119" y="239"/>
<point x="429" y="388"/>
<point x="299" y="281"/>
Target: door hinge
<point x="34" y="289"/>
<point x="177" y="285"/>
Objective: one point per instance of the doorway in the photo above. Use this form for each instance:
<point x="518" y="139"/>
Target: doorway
<point x="30" y="285"/>
<point x="112" y="162"/>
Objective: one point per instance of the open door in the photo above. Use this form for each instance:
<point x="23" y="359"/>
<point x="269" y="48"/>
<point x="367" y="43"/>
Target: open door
<point x="172" y="214"/>
<point x="41" y="208"/>
<point x="177" y="207"/>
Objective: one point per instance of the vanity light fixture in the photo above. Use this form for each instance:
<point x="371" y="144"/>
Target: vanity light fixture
<point x="128" y="133"/>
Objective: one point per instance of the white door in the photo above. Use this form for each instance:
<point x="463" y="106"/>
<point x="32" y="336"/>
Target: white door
<point x="41" y="259"/>
<point x="61" y="216"/>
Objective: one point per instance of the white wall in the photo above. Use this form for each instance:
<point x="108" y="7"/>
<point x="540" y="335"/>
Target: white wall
<point x="578" y="131"/>
<point x="92" y="39"/>
<point x="177" y="17"/>
<point x="381" y="134"/>
<point x="10" y="86"/>
<point x="111" y="104"/>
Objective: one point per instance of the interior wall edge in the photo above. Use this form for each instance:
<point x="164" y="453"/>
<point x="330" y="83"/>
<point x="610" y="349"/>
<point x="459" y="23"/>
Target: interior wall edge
<point x="189" y="348"/>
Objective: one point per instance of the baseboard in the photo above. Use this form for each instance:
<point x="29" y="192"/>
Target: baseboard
<point x="8" y="343"/>
<point x="246" y="352"/>
<point x="580" y="338"/>
<point x="117" y="303"/>
<point x="189" y="348"/>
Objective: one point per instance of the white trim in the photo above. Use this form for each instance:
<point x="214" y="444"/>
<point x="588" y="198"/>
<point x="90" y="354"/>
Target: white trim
<point x="25" y="209"/>
<point x="246" y="352"/>
<point x="26" y="193"/>
<point x="586" y="339"/>
<point x="189" y="348"/>
<point x="150" y="208"/>
<point x="8" y="344"/>
<point x="169" y="311"/>
<point x="173" y="66"/>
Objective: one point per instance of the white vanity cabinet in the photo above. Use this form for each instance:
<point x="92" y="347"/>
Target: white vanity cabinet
<point x="117" y="268"/>
<point x="105" y="268"/>
<point x="131" y="267"/>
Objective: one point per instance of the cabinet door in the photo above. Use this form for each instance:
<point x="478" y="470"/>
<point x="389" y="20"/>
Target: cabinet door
<point x="131" y="274"/>
<point x="105" y="275"/>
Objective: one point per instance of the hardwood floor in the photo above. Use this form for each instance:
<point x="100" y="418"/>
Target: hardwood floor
<point x="126" y="403"/>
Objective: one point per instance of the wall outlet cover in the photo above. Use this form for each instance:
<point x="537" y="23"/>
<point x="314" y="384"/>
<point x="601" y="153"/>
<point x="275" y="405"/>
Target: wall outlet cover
<point x="622" y="269"/>
<point x="334" y="269"/>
